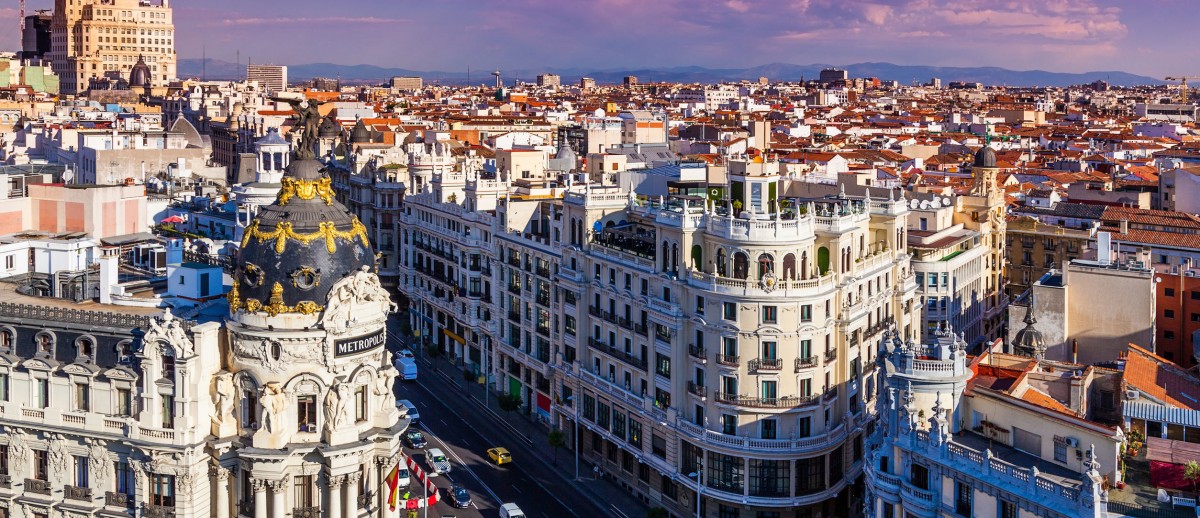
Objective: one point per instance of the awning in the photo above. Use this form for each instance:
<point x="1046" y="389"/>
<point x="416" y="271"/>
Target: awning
<point x="1161" y="414"/>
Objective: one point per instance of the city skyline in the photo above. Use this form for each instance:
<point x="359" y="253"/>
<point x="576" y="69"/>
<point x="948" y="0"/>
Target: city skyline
<point x="1065" y="35"/>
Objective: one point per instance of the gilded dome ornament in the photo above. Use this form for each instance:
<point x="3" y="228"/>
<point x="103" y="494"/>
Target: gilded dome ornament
<point x="252" y="273"/>
<point x="306" y="278"/>
<point x="306" y="189"/>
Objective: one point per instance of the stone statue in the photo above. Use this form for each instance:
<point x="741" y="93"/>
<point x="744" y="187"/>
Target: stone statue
<point x="361" y="287"/>
<point x="308" y="121"/>
<point x="223" y="397"/>
<point x="57" y="455"/>
<point x="273" y="401"/>
<point x="384" y="381"/>
<point x="333" y="416"/>
<point x="18" y="449"/>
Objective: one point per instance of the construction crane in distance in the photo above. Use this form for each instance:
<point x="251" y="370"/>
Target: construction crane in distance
<point x="1183" y="87"/>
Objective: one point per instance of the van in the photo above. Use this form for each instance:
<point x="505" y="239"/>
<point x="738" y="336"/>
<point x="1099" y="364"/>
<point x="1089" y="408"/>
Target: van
<point x="511" y="511"/>
<point x="410" y="411"/>
<point x="407" y="368"/>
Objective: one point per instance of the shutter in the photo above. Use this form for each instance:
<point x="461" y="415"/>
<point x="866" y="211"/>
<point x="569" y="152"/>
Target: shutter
<point x="1027" y="442"/>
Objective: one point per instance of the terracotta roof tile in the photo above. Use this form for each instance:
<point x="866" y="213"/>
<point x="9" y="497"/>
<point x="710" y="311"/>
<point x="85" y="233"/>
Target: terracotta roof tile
<point x="1161" y="379"/>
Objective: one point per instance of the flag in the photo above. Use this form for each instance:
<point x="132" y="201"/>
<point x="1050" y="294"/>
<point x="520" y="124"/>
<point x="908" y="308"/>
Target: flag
<point x="393" y="483"/>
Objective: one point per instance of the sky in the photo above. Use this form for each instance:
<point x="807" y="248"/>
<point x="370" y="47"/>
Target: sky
<point x="1150" y="37"/>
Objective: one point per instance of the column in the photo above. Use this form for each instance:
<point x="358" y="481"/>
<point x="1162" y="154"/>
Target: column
<point x="222" y="476"/>
<point x="384" y="466"/>
<point x="277" y="503"/>
<point x="352" y="494"/>
<point x="260" y="498"/>
<point x="333" y="498"/>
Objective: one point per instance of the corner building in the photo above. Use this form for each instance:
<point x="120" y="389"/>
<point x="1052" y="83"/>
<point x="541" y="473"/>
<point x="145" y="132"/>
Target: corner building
<point x="733" y="346"/>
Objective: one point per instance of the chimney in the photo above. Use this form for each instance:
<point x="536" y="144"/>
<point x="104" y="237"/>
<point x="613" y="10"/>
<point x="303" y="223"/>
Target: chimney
<point x="1074" y="350"/>
<point x="1124" y="226"/>
<point x="1104" y="248"/>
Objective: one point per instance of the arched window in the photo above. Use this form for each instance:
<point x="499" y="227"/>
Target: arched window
<point x="8" y="338"/>
<point x="722" y="270"/>
<point x="124" y="351"/>
<point x="823" y="260"/>
<point x="766" y="264"/>
<point x="741" y="265"/>
<point x="45" y="344"/>
<point x="789" y="267"/>
<point x="666" y="256"/>
<point x="804" y="265"/>
<point x="675" y="258"/>
<point x="85" y="348"/>
<point x="697" y="257"/>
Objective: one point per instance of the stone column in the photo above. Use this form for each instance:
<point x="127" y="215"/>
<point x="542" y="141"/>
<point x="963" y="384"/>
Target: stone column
<point x="260" y="498"/>
<point x="382" y="465"/>
<point x="277" y="501"/>
<point x="222" y="487"/>
<point x="333" y="498"/>
<point x="352" y="494"/>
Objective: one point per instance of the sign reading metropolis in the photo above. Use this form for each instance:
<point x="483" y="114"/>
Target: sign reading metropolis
<point x="358" y="344"/>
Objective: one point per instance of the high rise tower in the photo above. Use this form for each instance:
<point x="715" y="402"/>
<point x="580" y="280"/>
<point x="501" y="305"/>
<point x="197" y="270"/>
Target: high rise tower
<point x="91" y="38"/>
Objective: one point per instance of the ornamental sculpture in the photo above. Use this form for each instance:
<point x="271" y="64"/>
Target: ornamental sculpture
<point x="306" y="190"/>
<point x="327" y="230"/>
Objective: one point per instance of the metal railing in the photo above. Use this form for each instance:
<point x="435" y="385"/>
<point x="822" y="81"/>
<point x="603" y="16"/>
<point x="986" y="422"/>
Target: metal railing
<point x="765" y="364"/>
<point x="759" y="402"/>
<point x="806" y="363"/>
<point x="698" y="390"/>
<point x="728" y="359"/>
<point x="698" y="353"/>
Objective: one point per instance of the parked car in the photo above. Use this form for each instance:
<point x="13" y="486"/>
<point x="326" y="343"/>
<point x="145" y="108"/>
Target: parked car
<point x="404" y="353"/>
<point x="459" y="496"/>
<point x="438" y="462"/>
<point x="409" y="410"/>
<point x="407" y="368"/>
<point x="415" y="439"/>
<point x="499" y="455"/>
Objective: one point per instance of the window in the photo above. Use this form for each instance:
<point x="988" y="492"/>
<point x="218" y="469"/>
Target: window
<point x="82" y="398"/>
<point x="43" y="393"/>
<point x="658" y="446"/>
<point x="168" y="411"/>
<point x="699" y="305"/>
<point x="725" y="472"/>
<point x="919" y="476"/>
<point x="725" y="511"/>
<point x="306" y="413"/>
<point x="669" y="489"/>
<point x="618" y="424"/>
<point x="662" y="365"/>
<point x="589" y="407"/>
<point x="635" y="433"/>
<point x="769" y="314"/>
<point x="1169" y="292"/>
<point x="1168" y="313"/>
<point x="1195" y="295"/>
<point x="770" y="478"/>
<point x="4" y="460"/>
<point x="769" y="428"/>
<point x="124" y="477"/>
<point x="1060" y="450"/>
<point x="804" y="428"/>
<point x="728" y="424"/>
<point x="806" y="313"/>
<point x="770" y="350"/>
<point x="81" y="471"/>
<point x="962" y="499"/>
<point x="168" y="366"/>
<point x="162" y="490"/>
<point x="1008" y="509"/>
<point x="810" y="475"/>
<point x="769" y="391"/>
<point x="303" y="491"/>
<point x="729" y="311"/>
<point x="360" y="404"/>
<point x="3" y="386"/>
<point x="41" y="465"/>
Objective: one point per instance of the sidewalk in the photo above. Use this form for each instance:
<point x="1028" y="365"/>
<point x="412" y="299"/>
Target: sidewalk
<point x="603" y="493"/>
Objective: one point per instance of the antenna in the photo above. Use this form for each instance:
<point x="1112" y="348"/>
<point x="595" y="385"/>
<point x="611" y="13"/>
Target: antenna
<point x="22" y="16"/>
<point x="203" y="62"/>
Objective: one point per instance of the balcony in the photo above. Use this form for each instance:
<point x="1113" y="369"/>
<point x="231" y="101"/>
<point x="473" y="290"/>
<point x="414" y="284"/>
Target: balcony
<point x="543" y="299"/>
<point x="698" y="353"/>
<point x="158" y="511"/>
<point x="830" y="355"/>
<point x="595" y="311"/>
<point x="515" y="316"/>
<point x="113" y="499"/>
<point x="35" y="486"/>
<point x="729" y="360"/>
<point x="515" y="289"/>
<point x="306" y="512"/>
<point x="514" y="262"/>
<point x="623" y="356"/>
<point x="765" y="364"/>
<point x="641" y="330"/>
<point x="698" y="390"/>
<point x="543" y="271"/>
<point x="77" y="493"/>
<point x="758" y="402"/>
<point x="610" y="317"/>
<point x="806" y="363"/>
<point x="625" y="323"/>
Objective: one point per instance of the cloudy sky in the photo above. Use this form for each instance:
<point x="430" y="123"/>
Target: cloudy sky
<point x="1147" y="36"/>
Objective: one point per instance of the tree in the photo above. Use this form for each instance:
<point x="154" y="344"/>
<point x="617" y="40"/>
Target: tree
<point x="1191" y="473"/>
<point x="509" y="402"/>
<point x="657" y="512"/>
<point x="556" y="439"/>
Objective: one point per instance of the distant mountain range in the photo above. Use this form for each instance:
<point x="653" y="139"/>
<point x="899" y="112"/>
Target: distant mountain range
<point x="905" y="74"/>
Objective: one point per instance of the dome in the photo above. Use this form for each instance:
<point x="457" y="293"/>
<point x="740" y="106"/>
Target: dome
<point x="139" y="75"/>
<point x="1029" y="340"/>
<point x="328" y="129"/>
<point x="298" y="247"/>
<point x="360" y="135"/>
<point x="985" y="157"/>
<point x="272" y="138"/>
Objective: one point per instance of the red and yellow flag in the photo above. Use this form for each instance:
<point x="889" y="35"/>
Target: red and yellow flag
<point x="393" y="484"/>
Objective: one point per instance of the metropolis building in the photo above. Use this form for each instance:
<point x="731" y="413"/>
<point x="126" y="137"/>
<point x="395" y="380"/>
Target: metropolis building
<point x="675" y="339"/>
<point x="282" y="408"/>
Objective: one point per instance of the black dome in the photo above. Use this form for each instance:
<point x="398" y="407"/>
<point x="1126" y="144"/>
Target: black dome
<point x="1029" y="340"/>
<point x="360" y="134"/>
<point x="329" y="129"/>
<point x="985" y="157"/>
<point x="139" y="75"/>
<point x="298" y="247"/>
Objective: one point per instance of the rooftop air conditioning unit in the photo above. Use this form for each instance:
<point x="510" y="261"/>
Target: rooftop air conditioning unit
<point x="1132" y="394"/>
<point x="1072" y="442"/>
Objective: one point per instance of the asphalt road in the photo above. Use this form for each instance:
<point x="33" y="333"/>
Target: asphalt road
<point x="464" y="430"/>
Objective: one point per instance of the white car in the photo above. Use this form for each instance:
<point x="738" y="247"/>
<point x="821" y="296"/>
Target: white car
<point x="409" y="410"/>
<point x="404" y="353"/>
<point x="438" y="462"/>
<point x="404" y="477"/>
<point x="511" y="511"/>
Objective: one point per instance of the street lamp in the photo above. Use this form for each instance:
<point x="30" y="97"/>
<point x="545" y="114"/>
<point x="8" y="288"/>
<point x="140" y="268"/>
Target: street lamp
<point x="699" y="476"/>
<point x="575" y="438"/>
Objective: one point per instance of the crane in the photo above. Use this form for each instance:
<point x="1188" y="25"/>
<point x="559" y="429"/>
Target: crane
<point x="1183" y="87"/>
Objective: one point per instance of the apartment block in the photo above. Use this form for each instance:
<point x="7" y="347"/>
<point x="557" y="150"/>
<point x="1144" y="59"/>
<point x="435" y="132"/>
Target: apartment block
<point x="90" y="38"/>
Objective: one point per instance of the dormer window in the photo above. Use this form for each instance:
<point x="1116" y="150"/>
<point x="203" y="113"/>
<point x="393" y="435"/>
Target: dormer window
<point x="45" y="344"/>
<point x="85" y="348"/>
<point x="7" y="339"/>
<point x="124" y="354"/>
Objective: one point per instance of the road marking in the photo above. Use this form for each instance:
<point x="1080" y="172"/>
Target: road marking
<point x="464" y="465"/>
<point x="618" y="511"/>
<point x="517" y="489"/>
<point x="443" y="422"/>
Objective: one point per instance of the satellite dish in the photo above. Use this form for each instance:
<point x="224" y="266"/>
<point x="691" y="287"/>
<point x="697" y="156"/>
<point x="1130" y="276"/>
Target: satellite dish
<point x="68" y="176"/>
<point x="925" y="204"/>
<point x="945" y="202"/>
<point x="914" y="203"/>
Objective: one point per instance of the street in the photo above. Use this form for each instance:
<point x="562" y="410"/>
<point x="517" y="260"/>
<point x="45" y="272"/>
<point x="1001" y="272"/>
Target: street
<point x="464" y="430"/>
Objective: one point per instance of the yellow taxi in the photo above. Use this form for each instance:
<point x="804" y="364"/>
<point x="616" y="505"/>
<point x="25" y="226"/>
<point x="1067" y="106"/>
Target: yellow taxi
<point x="499" y="455"/>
